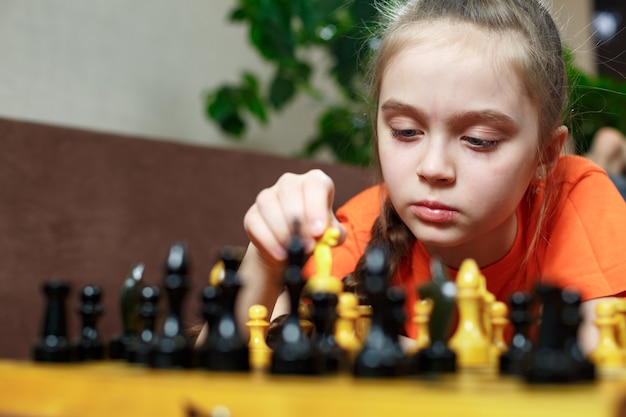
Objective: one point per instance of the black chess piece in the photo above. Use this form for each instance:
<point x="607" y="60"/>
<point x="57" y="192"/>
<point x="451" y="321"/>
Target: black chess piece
<point x="224" y="349"/>
<point x="437" y="357"/>
<point x="140" y="348"/>
<point x="293" y="351"/>
<point x="326" y="352"/>
<point x="172" y="348"/>
<point x="556" y="358"/>
<point x="89" y="344"/>
<point x="522" y="318"/>
<point x="54" y="346"/>
<point x="571" y="318"/>
<point x="379" y="357"/>
<point x="129" y="303"/>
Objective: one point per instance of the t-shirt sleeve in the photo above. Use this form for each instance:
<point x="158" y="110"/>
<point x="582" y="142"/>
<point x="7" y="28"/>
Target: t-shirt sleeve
<point x="587" y="245"/>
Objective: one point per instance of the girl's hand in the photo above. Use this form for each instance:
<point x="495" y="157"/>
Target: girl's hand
<point x="296" y="203"/>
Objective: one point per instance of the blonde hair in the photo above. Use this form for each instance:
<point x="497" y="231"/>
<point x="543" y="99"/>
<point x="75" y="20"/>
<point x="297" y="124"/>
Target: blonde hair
<point x="539" y="62"/>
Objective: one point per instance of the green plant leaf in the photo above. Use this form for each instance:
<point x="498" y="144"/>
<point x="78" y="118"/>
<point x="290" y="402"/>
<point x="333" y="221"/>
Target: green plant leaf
<point x="284" y="32"/>
<point x="282" y="90"/>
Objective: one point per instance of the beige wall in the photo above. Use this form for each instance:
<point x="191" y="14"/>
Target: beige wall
<point x="574" y="19"/>
<point x="141" y="67"/>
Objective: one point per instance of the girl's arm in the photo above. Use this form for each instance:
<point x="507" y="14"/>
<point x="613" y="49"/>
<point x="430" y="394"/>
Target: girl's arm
<point x="296" y="203"/>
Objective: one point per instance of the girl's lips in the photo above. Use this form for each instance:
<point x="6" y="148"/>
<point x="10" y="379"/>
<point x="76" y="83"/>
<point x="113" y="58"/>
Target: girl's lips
<point x="433" y="212"/>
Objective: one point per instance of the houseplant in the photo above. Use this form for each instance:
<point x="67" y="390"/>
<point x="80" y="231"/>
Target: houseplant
<point x="284" y="32"/>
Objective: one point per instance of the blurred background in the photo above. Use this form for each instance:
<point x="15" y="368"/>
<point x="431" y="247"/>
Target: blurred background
<point x="149" y="68"/>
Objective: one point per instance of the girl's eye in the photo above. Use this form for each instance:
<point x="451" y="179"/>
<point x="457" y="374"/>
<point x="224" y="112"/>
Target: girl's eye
<point x="481" y="144"/>
<point x="404" y="133"/>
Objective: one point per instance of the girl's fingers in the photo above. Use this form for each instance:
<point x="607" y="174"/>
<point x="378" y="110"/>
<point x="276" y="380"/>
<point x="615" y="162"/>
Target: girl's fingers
<point x="289" y="192"/>
<point x="262" y="236"/>
<point x="318" y="197"/>
<point x="294" y="204"/>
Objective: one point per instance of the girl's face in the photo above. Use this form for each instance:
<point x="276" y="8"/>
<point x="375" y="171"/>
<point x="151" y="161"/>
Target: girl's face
<point x="457" y="140"/>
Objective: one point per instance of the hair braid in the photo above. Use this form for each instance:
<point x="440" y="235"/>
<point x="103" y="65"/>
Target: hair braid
<point x="390" y="231"/>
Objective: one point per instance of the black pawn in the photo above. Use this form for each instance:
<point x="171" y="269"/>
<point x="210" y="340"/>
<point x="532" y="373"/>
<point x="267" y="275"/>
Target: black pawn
<point x="396" y="317"/>
<point x="54" y="346"/>
<point x="172" y="348"/>
<point x="326" y="351"/>
<point x="571" y="318"/>
<point x="557" y="358"/>
<point x="89" y="345"/>
<point x="224" y="349"/>
<point x="522" y="319"/>
<point x="293" y="352"/>
<point x="437" y="357"/>
<point x="129" y="303"/>
<point x="379" y="356"/>
<point x="140" y="348"/>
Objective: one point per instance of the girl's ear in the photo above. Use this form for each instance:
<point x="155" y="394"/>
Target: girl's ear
<point x="553" y="149"/>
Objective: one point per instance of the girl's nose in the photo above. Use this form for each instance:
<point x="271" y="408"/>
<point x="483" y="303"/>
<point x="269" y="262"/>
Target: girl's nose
<point x="436" y="163"/>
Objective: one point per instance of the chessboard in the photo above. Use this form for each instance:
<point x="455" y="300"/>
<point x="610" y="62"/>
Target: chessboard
<point x="331" y="357"/>
<point x="117" y="389"/>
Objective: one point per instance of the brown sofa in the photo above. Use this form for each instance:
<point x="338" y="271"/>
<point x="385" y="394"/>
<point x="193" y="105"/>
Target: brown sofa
<point x="84" y="206"/>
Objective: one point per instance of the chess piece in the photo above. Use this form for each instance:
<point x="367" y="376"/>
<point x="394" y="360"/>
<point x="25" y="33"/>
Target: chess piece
<point x="498" y="322"/>
<point x="437" y="357"/>
<point x="469" y="342"/>
<point x="380" y="357"/>
<point x="217" y="273"/>
<point x="322" y="253"/>
<point x="363" y="322"/>
<point x="522" y="319"/>
<point x="53" y="346"/>
<point x="345" y="326"/>
<point x="620" y="312"/>
<point x="260" y="353"/>
<point x="140" y="349"/>
<point x="557" y="358"/>
<point x="327" y="353"/>
<point x="487" y="300"/>
<point x="129" y="303"/>
<point x="172" y="348"/>
<point x="89" y="345"/>
<point x="293" y="353"/>
<point x="323" y="290"/>
<point x="224" y="348"/>
<point x="304" y="312"/>
<point x="608" y="356"/>
<point x="423" y="309"/>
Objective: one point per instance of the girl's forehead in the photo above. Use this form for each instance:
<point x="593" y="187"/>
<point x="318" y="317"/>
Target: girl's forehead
<point x="500" y="50"/>
<point x="444" y="32"/>
<point x="468" y="73"/>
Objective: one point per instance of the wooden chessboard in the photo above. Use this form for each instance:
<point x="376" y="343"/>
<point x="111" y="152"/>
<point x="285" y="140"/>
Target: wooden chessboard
<point x="118" y="389"/>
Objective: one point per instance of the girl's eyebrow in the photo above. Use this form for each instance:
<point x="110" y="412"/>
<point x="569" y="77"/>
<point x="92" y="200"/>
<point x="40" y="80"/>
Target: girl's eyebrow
<point x="396" y="106"/>
<point x="490" y="116"/>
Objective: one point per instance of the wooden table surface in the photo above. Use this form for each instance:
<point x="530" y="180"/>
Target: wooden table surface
<point x="117" y="389"/>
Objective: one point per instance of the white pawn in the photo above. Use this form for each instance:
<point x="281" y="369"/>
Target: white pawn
<point x="620" y="312"/>
<point x="608" y="355"/>
<point x="345" y="326"/>
<point x="499" y="321"/>
<point x="423" y="309"/>
<point x="260" y="353"/>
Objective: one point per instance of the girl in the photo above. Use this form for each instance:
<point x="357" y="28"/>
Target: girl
<point x="468" y="101"/>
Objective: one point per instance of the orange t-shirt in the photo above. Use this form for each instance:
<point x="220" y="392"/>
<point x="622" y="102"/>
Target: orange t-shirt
<point x="584" y="246"/>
